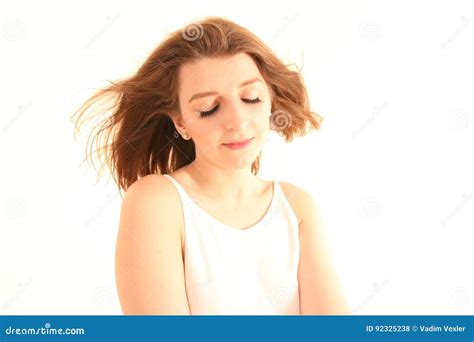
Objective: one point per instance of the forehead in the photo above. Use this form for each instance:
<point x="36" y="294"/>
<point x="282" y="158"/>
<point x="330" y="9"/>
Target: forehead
<point x="216" y="73"/>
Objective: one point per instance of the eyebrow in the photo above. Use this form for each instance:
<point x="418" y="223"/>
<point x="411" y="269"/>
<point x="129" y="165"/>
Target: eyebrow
<point x="209" y="93"/>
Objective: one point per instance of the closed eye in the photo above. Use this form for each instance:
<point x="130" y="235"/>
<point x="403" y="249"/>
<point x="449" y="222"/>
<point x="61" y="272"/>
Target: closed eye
<point x="213" y="110"/>
<point x="256" y="100"/>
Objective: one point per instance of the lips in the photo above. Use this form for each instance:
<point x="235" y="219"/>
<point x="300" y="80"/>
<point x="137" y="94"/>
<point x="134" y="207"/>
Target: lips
<point x="238" y="142"/>
<point x="240" y="145"/>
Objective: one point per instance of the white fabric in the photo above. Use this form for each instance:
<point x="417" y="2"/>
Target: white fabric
<point x="229" y="271"/>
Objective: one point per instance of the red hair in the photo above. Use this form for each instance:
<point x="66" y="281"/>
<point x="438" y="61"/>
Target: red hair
<point x="139" y="137"/>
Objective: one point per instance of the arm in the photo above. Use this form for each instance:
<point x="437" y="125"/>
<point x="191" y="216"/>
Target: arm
<point x="320" y="291"/>
<point x="148" y="261"/>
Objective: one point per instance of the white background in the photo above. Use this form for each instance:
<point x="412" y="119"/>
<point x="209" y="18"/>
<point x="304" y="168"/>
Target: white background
<point x="391" y="167"/>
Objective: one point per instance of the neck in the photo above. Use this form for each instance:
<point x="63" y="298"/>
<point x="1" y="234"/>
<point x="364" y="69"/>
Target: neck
<point x="227" y="184"/>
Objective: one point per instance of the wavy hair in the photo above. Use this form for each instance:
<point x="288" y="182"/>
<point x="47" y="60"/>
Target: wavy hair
<point x="138" y="137"/>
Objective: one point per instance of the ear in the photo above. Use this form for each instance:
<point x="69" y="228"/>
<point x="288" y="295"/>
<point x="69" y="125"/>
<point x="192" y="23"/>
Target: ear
<point x="179" y="125"/>
<point x="177" y="120"/>
<point x="271" y="93"/>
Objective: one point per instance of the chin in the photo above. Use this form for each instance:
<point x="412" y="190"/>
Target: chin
<point x="241" y="163"/>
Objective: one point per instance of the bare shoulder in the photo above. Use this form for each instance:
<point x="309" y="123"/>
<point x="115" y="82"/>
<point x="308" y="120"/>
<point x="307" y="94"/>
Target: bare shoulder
<point x="152" y="189"/>
<point x="154" y="196"/>
<point x="301" y="201"/>
<point x="315" y="263"/>
<point x="149" y="264"/>
<point x="151" y="185"/>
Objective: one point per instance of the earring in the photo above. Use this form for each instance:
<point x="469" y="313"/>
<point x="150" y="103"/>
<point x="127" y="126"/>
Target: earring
<point x="184" y="135"/>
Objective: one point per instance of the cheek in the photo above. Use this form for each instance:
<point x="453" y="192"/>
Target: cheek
<point x="262" y="129"/>
<point x="263" y="121"/>
<point x="205" y="133"/>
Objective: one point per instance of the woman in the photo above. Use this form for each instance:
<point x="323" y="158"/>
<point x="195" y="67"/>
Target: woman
<point x="200" y="232"/>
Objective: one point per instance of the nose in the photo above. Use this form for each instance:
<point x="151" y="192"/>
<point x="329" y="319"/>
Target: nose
<point x="237" y="117"/>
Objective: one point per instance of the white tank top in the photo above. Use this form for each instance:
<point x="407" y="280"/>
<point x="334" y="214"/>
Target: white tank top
<point x="229" y="271"/>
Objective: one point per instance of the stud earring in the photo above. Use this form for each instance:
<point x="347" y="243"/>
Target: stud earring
<point x="184" y="135"/>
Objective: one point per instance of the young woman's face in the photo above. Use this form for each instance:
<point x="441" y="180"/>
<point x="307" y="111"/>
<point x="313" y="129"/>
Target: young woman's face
<point x="224" y="100"/>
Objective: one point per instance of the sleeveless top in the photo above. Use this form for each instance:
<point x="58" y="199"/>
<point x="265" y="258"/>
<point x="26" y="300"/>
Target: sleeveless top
<point x="230" y="271"/>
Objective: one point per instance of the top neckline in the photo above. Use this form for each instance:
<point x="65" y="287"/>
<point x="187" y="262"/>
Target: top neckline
<point x="254" y="227"/>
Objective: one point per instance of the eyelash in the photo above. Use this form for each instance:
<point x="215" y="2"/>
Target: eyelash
<point x="213" y="110"/>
